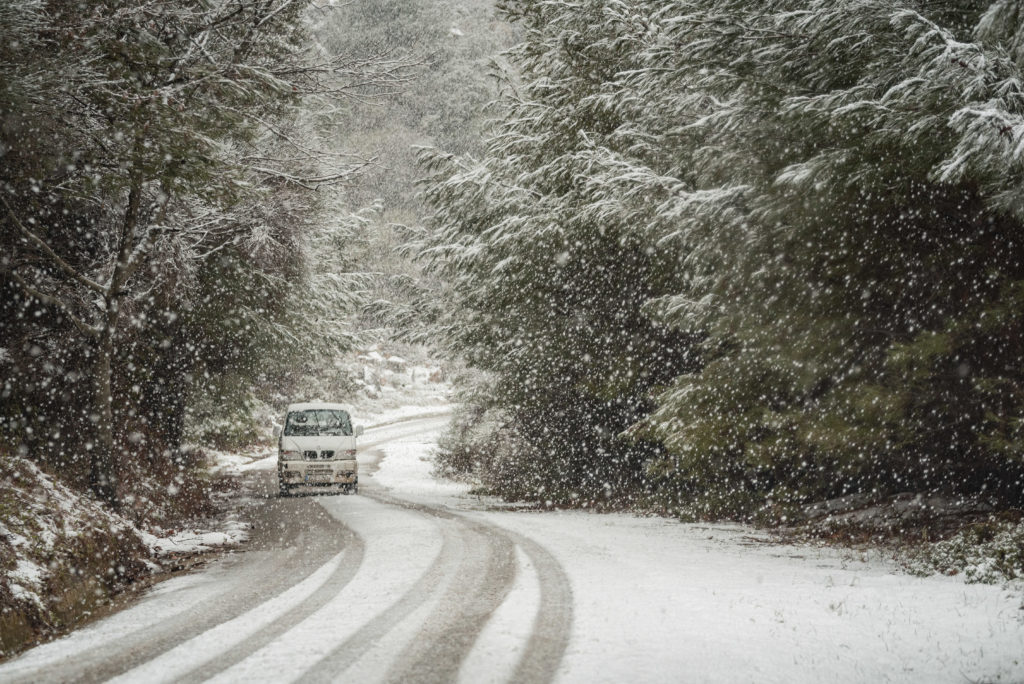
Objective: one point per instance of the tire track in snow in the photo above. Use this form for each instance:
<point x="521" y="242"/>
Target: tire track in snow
<point x="394" y="431"/>
<point x="401" y="548"/>
<point x="230" y="642"/>
<point x="483" y="579"/>
<point x="356" y="646"/>
<point x="477" y="584"/>
<point x="469" y="579"/>
<point x="550" y="634"/>
<point x="289" y="545"/>
<point x="240" y="649"/>
<point x="553" y="622"/>
<point x="350" y="565"/>
<point x="549" y="637"/>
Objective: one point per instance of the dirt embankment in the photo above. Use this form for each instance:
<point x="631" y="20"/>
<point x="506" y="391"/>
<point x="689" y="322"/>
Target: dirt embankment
<point x="66" y="560"/>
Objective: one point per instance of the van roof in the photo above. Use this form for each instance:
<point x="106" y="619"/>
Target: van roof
<point x="311" y="405"/>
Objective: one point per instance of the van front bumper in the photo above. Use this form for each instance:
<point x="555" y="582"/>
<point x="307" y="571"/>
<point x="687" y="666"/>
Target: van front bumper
<point x="295" y="473"/>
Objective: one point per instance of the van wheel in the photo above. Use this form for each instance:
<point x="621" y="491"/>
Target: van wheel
<point x="283" y="491"/>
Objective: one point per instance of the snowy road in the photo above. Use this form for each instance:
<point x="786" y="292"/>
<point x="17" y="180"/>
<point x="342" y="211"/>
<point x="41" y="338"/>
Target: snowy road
<point x="417" y="580"/>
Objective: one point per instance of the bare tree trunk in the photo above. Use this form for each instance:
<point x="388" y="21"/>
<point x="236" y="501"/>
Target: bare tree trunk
<point x="102" y="467"/>
<point x="103" y="462"/>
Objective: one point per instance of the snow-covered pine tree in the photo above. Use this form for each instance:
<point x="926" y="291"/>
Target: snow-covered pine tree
<point x="156" y="195"/>
<point x="828" y="191"/>
<point x="864" y="309"/>
<point x="549" y="243"/>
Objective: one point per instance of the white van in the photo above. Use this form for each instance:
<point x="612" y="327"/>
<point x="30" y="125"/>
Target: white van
<point x="317" y="448"/>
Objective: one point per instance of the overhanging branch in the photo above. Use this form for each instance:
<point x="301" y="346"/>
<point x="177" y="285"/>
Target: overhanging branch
<point x="57" y="303"/>
<point x="52" y="255"/>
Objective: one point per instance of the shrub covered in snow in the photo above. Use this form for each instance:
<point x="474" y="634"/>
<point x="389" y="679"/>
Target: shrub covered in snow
<point x="475" y="446"/>
<point x="986" y="552"/>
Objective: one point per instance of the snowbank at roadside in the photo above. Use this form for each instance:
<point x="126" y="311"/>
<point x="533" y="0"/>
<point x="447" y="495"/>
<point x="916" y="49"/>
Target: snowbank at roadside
<point x="234" y="461"/>
<point x="230" y="532"/>
<point x="62" y="553"/>
<point x="40" y="521"/>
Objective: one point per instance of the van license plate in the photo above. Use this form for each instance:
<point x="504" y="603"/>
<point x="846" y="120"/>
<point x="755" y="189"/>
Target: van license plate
<point x="318" y="477"/>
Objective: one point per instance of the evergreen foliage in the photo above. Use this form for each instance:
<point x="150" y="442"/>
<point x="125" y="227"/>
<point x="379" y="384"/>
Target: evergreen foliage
<point x="823" y="198"/>
<point x="552" y="273"/>
<point x="159" y="196"/>
<point x="449" y="47"/>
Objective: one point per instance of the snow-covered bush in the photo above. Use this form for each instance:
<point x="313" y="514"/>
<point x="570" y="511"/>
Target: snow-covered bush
<point x="225" y="421"/>
<point x="475" y="441"/>
<point x="987" y="552"/>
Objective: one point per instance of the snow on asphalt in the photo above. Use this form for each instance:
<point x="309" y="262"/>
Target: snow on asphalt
<point x="503" y="641"/>
<point x="660" y="601"/>
<point x="182" y="659"/>
<point x="653" y="601"/>
<point x="400" y="547"/>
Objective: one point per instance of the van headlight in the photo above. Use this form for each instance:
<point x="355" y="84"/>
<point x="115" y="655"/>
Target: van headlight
<point x="290" y="455"/>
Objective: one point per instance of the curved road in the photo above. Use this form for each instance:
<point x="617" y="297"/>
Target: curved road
<point x="371" y="587"/>
<point x="415" y="580"/>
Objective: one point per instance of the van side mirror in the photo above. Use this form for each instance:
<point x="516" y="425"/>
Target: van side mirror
<point x="359" y="430"/>
<point x="277" y="430"/>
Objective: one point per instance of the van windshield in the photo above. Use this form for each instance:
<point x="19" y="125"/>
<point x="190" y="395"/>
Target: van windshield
<point x="317" y="423"/>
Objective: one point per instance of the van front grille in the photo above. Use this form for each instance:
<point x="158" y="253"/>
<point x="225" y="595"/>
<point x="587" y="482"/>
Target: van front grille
<point x="309" y="455"/>
<point x="326" y="454"/>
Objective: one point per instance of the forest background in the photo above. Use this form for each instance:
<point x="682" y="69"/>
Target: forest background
<point x="200" y="216"/>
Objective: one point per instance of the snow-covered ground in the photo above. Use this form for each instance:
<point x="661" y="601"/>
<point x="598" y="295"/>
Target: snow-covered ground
<point x="434" y="576"/>
<point x="230" y="532"/>
<point x="656" y="600"/>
